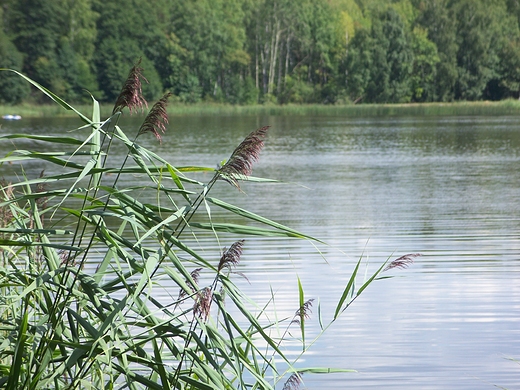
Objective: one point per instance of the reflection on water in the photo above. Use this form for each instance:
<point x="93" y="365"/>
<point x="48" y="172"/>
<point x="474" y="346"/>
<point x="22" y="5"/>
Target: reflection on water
<point x="448" y="188"/>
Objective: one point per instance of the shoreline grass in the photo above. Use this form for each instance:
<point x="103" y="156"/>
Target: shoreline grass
<point x="480" y="108"/>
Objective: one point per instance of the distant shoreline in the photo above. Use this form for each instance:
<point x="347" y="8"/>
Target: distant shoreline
<point x="479" y="108"/>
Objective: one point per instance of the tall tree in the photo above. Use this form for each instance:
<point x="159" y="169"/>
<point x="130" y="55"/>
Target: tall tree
<point x="392" y="59"/>
<point x="359" y="65"/>
<point x="484" y="28"/>
<point x="126" y="29"/>
<point x="425" y="61"/>
<point x="36" y="27"/>
<point x="439" y="21"/>
<point x="213" y="34"/>
<point x="12" y="88"/>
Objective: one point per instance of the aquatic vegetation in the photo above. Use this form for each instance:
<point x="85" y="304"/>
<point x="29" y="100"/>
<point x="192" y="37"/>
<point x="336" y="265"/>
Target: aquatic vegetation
<point x="69" y="321"/>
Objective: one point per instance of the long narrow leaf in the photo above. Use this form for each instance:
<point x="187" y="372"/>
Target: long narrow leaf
<point x="44" y="138"/>
<point x="255" y="217"/>
<point x="245" y="230"/>
<point x="346" y="292"/>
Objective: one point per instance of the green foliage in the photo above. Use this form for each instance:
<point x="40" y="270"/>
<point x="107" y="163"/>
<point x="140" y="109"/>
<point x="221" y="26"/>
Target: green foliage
<point x="477" y="40"/>
<point x="297" y="91"/>
<point x="245" y="52"/>
<point x="425" y="61"/>
<point x="81" y="257"/>
<point x="213" y="34"/>
<point x="510" y="69"/>
<point x="381" y="65"/>
<point x="438" y="20"/>
<point x="12" y="89"/>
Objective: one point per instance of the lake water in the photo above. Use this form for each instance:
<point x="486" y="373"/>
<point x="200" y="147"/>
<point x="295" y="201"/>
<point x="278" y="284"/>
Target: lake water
<point x="379" y="188"/>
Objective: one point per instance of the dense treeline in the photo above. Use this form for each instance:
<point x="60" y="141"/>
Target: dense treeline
<point x="249" y="51"/>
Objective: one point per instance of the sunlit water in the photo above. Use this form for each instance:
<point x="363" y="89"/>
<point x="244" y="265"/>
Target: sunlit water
<point x="448" y="188"/>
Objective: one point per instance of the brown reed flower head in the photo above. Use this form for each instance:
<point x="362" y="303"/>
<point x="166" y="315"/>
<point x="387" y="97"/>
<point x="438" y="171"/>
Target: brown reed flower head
<point x="231" y="256"/>
<point x="402" y="262"/>
<point x="202" y="305"/>
<point x="293" y="382"/>
<point x="131" y="94"/>
<point x="241" y="161"/>
<point x="66" y="258"/>
<point x="195" y="276"/>
<point x="157" y="118"/>
<point x="304" y="312"/>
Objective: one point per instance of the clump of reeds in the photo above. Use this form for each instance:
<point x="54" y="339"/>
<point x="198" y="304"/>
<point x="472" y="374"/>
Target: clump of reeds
<point x="211" y="348"/>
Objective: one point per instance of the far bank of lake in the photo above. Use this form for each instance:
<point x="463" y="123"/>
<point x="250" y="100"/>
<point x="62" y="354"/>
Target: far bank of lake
<point x="480" y="108"/>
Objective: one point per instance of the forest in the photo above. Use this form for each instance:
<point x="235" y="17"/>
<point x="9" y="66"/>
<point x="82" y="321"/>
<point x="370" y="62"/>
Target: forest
<point x="264" y="51"/>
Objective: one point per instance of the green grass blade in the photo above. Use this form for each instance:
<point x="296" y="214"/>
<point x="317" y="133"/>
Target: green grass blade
<point x="19" y="351"/>
<point x="45" y="138"/>
<point x="255" y="217"/>
<point x="245" y="230"/>
<point x="175" y="216"/>
<point x="301" y="296"/>
<point x="346" y="292"/>
<point x="370" y="280"/>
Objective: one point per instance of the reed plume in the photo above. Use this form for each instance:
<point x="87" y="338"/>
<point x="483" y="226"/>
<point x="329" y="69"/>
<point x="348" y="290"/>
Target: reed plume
<point x="195" y="277"/>
<point x="131" y="94"/>
<point x="241" y="161"/>
<point x="231" y="256"/>
<point x="293" y="382"/>
<point x="304" y="312"/>
<point x="402" y="262"/>
<point x="157" y="118"/>
<point x="202" y="305"/>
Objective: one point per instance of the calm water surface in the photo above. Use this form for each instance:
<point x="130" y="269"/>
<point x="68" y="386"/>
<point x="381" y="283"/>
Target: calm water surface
<point x="448" y="188"/>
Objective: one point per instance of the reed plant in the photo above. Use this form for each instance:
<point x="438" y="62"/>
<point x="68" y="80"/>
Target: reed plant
<point x="68" y="321"/>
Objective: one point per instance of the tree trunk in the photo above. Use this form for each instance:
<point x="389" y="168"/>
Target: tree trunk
<point x="272" y="66"/>
<point x="287" y="53"/>
<point x="256" y="62"/>
<point x="275" y="37"/>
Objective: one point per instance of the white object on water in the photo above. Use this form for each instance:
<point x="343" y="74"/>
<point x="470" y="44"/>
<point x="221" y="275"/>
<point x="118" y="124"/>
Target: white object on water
<point x="11" y="117"/>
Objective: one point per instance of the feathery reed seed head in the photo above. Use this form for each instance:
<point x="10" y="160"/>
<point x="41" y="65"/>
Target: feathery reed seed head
<point x="304" y="312"/>
<point x="131" y="94"/>
<point x="231" y="256"/>
<point x="157" y="118"/>
<point x="293" y="382"/>
<point x="195" y="276"/>
<point x="243" y="157"/>
<point x="402" y="262"/>
<point x="202" y="305"/>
